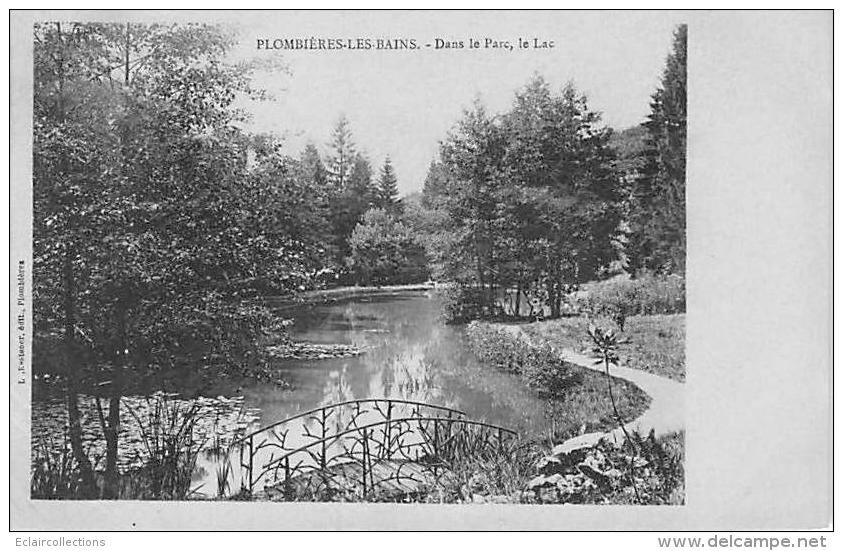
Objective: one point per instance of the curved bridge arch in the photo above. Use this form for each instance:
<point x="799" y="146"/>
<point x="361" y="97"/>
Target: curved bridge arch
<point x="361" y="449"/>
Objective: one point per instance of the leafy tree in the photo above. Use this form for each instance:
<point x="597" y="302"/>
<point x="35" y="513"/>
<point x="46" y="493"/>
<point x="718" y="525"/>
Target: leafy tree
<point x="385" y="251"/>
<point x="472" y="155"/>
<point x="348" y="206"/>
<point x="532" y="197"/>
<point x="151" y="240"/>
<point x="569" y="197"/>
<point x="657" y="205"/>
<point x="387" y="192"/>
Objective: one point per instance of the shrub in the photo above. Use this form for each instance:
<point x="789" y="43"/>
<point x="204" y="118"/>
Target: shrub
<point x="461" y="304"/>
<point x="385" y="251"/>
<point x="648" y="294"/>
<point x="597" y="475"/>
<point x="540" y="366"/>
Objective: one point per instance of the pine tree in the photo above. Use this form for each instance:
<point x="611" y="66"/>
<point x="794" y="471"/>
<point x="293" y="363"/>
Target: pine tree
<point x="361" y="189"/>
<point x="341" y="160"/>
<point x="313" y="166"/>
<point x="657" y="206"/>
<point x="387" y="197"/>
<point x="434" y="190"/>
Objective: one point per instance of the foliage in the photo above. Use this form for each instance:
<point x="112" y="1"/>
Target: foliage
<point x="152" y="237"/>
<point x="55" y="473"/>
<point x="540" y="366"/>
<point x="385" y="251"/>
<point x="387" y="190"/>
<point x="645" y="295"/>
<point x="597" y="475"/>
<point x="343" y="153"/>
<point x="576" y="396"/>
<point x="496" y="477"/>
<point x="531" y="196"/>
<point x="461" y="304"/>
<point x="171" y="450"/>
<point x="350" y="203"/>
<point x="657" y="199"/>
<point x="657" y="341"/>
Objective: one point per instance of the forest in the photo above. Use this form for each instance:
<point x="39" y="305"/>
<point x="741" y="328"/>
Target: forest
<point x="161" y="223"/>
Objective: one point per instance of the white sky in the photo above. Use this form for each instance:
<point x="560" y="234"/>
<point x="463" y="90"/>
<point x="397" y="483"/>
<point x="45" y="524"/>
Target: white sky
<point x="402" y="103"/>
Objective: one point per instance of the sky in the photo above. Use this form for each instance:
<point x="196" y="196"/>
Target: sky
<point x="402" y="103"/>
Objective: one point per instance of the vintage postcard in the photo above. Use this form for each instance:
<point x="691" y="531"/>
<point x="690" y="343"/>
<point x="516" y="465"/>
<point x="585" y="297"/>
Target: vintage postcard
<point x="388" y="270"/>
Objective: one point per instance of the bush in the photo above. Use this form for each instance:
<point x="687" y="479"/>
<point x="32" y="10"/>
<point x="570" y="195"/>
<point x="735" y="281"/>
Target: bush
<point x="461" y="304"/>
<point x="385" y="251"/>
<point x="645" y="295"/>
<point x="540" y="366"/>
<point x="600" y="474"/>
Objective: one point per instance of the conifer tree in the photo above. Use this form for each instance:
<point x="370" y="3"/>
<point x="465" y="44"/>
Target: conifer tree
<point x="341" y="159"/>
<point x="388" y="188"/>
<point x="657" y="205"/>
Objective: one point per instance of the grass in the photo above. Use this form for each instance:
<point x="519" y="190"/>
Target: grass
<point x="657" y="341"/>
<point x="166" y="431"/>
<point x="577" y="399"/>
<point x="585" y="407"/>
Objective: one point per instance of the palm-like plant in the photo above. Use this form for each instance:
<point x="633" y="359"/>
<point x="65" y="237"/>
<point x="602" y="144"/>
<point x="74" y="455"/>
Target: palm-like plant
<point x="605" y="349"/>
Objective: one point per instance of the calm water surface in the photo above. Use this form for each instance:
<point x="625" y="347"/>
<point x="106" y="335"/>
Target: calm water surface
<point x="409" y="353"/>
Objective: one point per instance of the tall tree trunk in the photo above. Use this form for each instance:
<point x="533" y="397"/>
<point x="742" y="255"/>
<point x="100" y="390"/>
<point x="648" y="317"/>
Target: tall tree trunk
<point x="86" y="471"/>
<point x="480" y="277"/>
<point x="517" y="312"/>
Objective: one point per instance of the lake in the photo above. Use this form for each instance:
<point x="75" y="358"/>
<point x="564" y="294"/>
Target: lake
<point x="409" y="353"/>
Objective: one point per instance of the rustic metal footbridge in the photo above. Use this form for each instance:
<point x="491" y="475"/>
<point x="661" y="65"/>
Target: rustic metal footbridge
<point x="361" y="449"/>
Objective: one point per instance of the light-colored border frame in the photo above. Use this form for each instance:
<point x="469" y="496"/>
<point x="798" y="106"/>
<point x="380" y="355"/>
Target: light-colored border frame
<point x="759" y="305"/>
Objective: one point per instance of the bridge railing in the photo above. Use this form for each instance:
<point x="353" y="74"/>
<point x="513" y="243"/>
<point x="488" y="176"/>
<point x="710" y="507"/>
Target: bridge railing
<point x="365" y="443"/>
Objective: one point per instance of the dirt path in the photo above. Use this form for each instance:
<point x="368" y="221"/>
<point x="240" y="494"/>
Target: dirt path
<point x="667" y="406"/>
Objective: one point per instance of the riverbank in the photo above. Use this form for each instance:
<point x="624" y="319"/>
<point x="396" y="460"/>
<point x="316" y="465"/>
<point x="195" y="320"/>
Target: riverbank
<point x="597" y="465"/>
<point x="654" y="343"/>
<point x="317" y="296"/>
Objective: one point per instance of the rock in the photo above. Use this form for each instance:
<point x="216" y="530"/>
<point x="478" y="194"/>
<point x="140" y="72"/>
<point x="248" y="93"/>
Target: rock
<point x="549" y="465"/>
<point x="571" y="446"/>
<point x="602" y="479"/>
<point x="542" y="481"/>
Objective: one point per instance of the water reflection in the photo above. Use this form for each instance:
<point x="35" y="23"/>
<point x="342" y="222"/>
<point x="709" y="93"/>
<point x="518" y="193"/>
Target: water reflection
<point x="410" y="354"/>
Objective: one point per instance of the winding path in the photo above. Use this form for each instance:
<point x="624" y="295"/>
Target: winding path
<point x="667" y="399"/>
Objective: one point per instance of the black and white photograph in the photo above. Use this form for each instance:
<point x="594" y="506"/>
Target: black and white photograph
<point x="399" y="258"/>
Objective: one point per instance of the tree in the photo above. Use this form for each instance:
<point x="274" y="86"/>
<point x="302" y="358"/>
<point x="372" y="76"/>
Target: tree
<point x="533" y="200"/>
<point x="385" y="251"/>
<point x="570" y="199"/>
<point x="348" y="206"/>
<point x="387" y="192"/>
<point x="341" y="158"/>
<point x="151" y="240"/>
<point x="657" y="204"/>
<point x="435" y="185"/>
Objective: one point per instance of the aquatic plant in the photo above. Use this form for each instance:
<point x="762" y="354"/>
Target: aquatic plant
<point x="171" y="450"/>
<point x="55" y="472"/>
